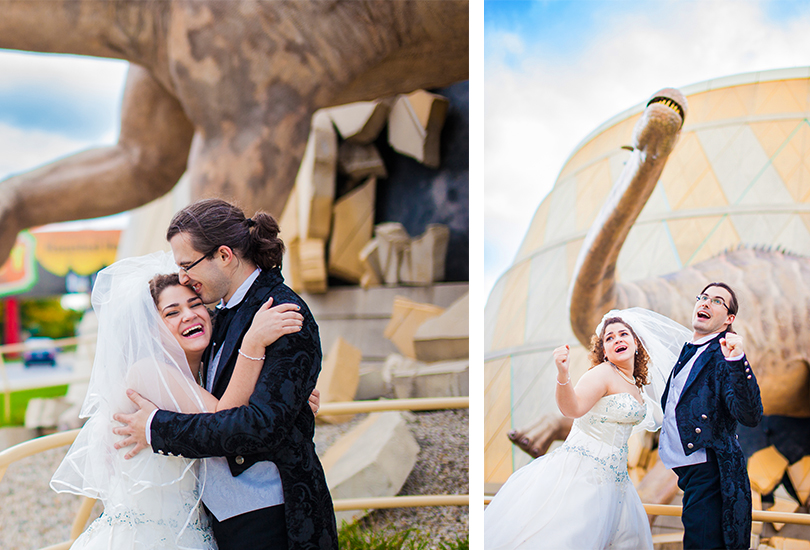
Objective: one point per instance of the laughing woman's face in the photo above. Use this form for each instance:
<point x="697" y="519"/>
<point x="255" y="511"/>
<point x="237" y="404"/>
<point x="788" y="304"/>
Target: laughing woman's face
<point x="187" y="318"/>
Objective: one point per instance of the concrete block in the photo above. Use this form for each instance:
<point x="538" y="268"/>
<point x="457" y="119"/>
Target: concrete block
<point x="312" y="265"/>
<point x="45" y="412"/>
<point x="372" y="460"/>
<point x="426" y="256"/>
<point x="359" y="162"/>
<point x="782" y="502"/>
<point x="392" y="241"/>
<point x="799" y="474"/>
<point x="316" y="179"/>
<point x="353" y="225"/>
<point x="13" y="435"/>
<point x="446" y="336"/>
<point x="370" y="260"/>
<point x="372" y="384"/>
<point x="339" y="377"/>
<point x="766" y="468"/>
<point x="415" y="125"/>
<point x="363" y="121"/>
<point x="784" y="543"/>
<point x="410" y="378"/>
<point x="406" y="318"/>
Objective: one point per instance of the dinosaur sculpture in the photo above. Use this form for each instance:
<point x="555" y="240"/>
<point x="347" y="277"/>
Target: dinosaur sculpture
<point x="773" y="288"/>
<point x="222" y="90"/>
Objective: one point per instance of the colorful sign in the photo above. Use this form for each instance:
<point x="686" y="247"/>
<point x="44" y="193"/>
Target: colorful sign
<point x="19" y="273"/>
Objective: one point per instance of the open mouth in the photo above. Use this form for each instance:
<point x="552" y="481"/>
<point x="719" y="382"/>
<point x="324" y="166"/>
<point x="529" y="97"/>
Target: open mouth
<point x="620" y="348"/>
<point x="702" y="314"/>
<point x="668" y="103"/>
<point x="192" y="331"/>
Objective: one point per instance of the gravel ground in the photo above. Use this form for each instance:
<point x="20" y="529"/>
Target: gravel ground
<point x="33" y="516"/>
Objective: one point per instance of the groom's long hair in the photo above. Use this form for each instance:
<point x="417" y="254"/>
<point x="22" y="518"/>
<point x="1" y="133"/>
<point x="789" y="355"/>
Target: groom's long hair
<point x="211" y="223"/>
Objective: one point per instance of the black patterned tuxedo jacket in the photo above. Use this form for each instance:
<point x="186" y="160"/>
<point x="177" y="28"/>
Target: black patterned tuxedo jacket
<point x="277" y="425"/>
<point x="717" y="395"/>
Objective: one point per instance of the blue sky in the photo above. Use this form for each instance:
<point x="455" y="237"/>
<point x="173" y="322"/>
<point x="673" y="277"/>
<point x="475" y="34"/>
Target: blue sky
<point x="555" y="70"/>
<point x="55" y="105"/>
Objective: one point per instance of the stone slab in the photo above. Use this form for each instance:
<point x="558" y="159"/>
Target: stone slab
<point x="372" y="460"/>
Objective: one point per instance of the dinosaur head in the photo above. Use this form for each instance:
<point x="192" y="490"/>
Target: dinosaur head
<point x="669" y="102"/>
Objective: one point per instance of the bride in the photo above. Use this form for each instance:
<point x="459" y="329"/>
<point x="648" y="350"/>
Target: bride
<point x="580" y="495"/>
<point x="152" y="333"/>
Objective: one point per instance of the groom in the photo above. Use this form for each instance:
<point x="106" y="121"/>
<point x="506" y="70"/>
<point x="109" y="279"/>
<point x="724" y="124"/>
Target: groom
<point x="265" y="487"/>
<point x="711" y="388"/>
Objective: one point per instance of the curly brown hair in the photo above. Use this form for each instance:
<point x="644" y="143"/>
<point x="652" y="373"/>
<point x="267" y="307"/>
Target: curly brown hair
<point x="597" y="352"/>
<point x="161" y="282"/>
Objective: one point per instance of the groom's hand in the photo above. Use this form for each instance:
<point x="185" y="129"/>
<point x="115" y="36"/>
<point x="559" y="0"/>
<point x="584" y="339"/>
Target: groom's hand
<point x="135" y="424"/>
<point x="731" y="345"/>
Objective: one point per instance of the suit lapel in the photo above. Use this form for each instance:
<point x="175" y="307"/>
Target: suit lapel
<point x="701" y="361"/>
<point x="233" y="338"/>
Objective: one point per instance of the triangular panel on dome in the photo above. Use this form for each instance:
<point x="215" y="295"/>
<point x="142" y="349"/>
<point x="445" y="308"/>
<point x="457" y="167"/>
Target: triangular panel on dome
<point x="535" y="236"/>
<point x="774" y="135"/>
<point x="601" y="144"/>
<point x="686" y="166"/>
<point x="617" y="163"/>
<point x="760" y="229"/>
<point x="805" y="219"/>
<point x="511" y="312"/>
<point x="693" y="237"/>
<point x="732" y="102"/>
<point x="548" y="290"/>
<point x="792" y="161"/>
<point x="648" y="252"/>
<point x="766" y="188"/>
<point x="795" y="236"/>
<point x="533" y="389"/>
<point x="593" y="185"/>
<point x="781" y="96"/>
<point x="560" y="221"/>
<point x="572" y="249"/>
<point x="736" y="157"/>
<point x="657" y="205"/>
<point x="498" y="420"/>
<point x="722" y="236"/>
<point x="491" y="309"/>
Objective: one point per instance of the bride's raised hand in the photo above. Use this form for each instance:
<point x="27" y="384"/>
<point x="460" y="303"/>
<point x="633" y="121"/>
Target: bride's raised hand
<point x="561" y="356"/>
<point x="271" y="323"/>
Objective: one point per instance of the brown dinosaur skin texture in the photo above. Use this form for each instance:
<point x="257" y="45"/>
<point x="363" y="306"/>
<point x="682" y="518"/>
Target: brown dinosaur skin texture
<point x="222" y="89"/>
<point x="773" y="290"/>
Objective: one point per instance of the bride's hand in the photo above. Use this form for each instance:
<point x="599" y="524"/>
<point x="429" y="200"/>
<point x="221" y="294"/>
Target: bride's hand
<point x="561" y="355"/>
<point x="271" y="323"/>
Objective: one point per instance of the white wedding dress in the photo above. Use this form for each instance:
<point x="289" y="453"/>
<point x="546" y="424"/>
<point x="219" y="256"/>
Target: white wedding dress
<point x="151" y="501"/>
<point x="579" y="496"/>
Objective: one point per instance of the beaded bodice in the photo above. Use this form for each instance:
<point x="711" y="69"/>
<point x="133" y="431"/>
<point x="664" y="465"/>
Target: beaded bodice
<point x="601" y="435"/>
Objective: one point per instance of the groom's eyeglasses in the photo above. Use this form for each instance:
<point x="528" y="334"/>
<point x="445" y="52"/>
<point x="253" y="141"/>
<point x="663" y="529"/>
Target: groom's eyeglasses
<point x="715" y="301"/>
<point x="188" y="267"/>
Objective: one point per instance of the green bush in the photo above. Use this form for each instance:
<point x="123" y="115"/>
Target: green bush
<point x="46" y="317"/>
<point x="352" y="537"/>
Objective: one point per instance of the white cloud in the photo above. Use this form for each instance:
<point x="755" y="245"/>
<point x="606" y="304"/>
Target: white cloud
<point x="537" y="113"/>
<point x="22" y="150"/>
<point x="77" y="75"/>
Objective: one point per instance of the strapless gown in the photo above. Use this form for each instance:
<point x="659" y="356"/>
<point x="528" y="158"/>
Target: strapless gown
<point x="579" y="496"/>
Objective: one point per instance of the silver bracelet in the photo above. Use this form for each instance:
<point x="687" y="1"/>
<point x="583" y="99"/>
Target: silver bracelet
<point x="239" y="351"/>
<point x="566" y="382"/>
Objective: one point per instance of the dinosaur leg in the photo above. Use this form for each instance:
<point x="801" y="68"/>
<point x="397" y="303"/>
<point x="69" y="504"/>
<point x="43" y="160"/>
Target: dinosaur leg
<point x="536" y="439"/>
<point x="659" y="486"/>
<point x="147" y="161"/>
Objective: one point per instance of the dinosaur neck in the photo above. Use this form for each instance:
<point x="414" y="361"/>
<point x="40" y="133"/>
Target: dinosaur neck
<point x="594" y="289"/>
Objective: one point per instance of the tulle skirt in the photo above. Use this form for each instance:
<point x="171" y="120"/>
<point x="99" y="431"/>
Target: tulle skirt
<point x="567" y="500"/>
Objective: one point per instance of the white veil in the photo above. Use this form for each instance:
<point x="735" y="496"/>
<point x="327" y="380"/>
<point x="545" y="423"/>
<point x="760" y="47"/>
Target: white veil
<point x="663" y="339"/>
<point x="134" y="350"/>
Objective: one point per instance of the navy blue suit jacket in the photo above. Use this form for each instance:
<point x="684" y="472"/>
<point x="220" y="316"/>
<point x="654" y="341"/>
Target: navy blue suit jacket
<point x="277" y="424"/>
<point x="717" y="395"/>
